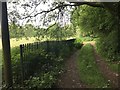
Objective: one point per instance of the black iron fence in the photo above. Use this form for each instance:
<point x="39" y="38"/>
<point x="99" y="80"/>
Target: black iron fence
<point x="31" y="54"/>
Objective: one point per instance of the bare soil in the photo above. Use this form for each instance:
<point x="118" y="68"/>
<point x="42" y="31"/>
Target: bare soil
<point x="70" y="78"/>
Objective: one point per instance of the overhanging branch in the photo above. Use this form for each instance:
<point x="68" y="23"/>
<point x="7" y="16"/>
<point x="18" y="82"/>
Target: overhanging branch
<point x="93" y="4"/>
<point x="64" y="5"/>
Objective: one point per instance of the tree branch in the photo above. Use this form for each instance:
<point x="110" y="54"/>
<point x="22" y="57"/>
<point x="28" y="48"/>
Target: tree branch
<point x="64" y="5"/>
<point x="93" y="4"/>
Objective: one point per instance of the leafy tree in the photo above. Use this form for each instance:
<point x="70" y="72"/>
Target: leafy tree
<point x="40" y="34"/>
<point x="89" y="18"/>
<point x="55" y="32"/>
<point x="56" y="12"/>
<point x="102" y="23"/>
<point x="16" y="31"/>
<point x="57" y="8"/>
<point x="29" y="30"/>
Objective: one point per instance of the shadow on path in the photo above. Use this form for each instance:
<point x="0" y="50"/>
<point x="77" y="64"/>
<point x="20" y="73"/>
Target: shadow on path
<point x="70" y="78"/>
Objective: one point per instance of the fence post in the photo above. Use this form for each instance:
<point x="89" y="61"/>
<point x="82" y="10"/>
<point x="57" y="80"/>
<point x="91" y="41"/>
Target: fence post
<point x="21" y="59"/>
<point x="37" y="45"/>
<point x="25" y="51"/>
<point x="47" y="46"/>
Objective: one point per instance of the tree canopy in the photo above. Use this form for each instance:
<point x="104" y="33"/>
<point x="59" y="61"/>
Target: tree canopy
<point x="103" y="24"/>
<point x="53" y="11"/>
<point x="100" y="18"/>
<point x="103" y="20"/>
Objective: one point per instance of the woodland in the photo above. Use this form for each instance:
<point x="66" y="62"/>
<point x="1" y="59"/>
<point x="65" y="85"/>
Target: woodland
<point x="72" y="41"/>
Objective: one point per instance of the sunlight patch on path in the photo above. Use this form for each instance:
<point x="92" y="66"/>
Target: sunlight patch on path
<point x="91" y="42"/>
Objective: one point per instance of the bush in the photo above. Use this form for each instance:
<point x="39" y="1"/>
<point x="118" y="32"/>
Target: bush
<point x="41" y="66"/>
<point x="78" y="43"/>
<point x="108" y="46"/>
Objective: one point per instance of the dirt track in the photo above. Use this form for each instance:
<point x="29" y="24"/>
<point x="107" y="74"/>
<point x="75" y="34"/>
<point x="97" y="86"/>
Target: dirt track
<point x="70" y="78"/>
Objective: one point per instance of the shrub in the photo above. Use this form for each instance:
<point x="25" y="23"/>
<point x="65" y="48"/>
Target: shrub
<point x="108" y="46"/>
<point x="78" y="43"/>
<point x="41" y="66"/>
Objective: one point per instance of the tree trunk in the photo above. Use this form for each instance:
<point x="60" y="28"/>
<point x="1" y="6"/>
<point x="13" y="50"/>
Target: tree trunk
<point x="6" y="47"/>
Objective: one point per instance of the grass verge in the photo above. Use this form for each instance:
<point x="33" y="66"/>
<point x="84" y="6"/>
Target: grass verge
<point x="88" y="69"/>
<point x="114" y="66"/>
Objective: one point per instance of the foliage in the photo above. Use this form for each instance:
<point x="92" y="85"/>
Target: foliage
<point x="43" y="81"/>
<point x="44" y="66"/>
<point x="37" y="16"/>
<point x="78" y="43"/>
<point x="17" y="31"/>
<point x="46" y="75"/>
<point x="16" y="65"/>
<point x="55" y="32"/>
<point x="88" y="69"/>
<point x="49" y="67"/>
<point x="90" y="19"/>
<point x="40" y="34"/>
<point x="108" y="46"/>
<point x="102" y="24"/>
<point x="29" y="30"/>
<point x="68" y="31"/>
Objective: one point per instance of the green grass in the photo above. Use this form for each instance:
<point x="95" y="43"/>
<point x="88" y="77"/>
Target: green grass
<point x="88" y="69"/>
<point x="113" y="66"/>
<point x="14" y="42"/>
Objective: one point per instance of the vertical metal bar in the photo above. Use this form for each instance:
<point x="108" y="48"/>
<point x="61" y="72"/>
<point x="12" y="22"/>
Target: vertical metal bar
<point x="37" y="45"/>
<point x="21" y="59"/>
